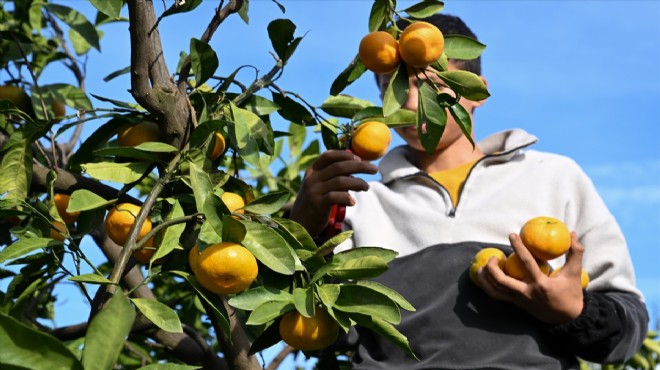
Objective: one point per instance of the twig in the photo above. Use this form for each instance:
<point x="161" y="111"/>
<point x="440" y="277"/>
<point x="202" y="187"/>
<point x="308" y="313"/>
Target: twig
<point x="277" y="361"/>
<point x="221" y="13"/>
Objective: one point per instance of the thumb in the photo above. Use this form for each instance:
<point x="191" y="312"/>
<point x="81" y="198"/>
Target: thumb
<point x="573" y="263"/>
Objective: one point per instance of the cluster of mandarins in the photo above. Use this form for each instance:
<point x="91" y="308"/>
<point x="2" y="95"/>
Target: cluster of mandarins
<point x="419" y="45"/>
<point x="545" y="237"/>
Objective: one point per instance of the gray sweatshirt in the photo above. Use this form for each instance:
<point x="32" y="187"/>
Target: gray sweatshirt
<point x="456" y="325"/>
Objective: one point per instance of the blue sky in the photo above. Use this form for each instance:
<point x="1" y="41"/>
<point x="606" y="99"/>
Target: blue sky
<point x="583" y="76"/>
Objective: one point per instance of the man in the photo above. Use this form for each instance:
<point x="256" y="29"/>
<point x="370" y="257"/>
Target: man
<point x="439" y="210"/>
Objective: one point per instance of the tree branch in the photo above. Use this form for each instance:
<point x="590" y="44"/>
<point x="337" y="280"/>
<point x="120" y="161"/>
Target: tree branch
<point x="277" y="361"/>
<point x="219" y="16"/>
<point x="151" y="85"/>
<point x="235" y="345"/>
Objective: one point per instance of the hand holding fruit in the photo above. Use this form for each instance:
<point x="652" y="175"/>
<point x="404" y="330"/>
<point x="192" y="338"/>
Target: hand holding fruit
<point x="553" y="300"/>
<point x="524" y="277"/>
<point x="326" y="183"/>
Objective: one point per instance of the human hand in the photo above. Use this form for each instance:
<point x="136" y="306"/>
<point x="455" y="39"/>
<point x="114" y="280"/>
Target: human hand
<point x="327" y="183"/>
<point x="553" y="300"/>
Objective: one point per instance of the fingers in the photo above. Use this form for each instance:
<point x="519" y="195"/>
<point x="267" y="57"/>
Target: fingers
<point x="526" y="257"/>
<point x="574" y="257"/>
<point x="488" y="279"/>
<point x="342" y="162"/>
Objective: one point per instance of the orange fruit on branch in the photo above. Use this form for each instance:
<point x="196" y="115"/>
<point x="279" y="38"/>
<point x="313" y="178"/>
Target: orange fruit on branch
<point x="61" y="231"/>
<point x="546" y="237"/>
<point x="421" y="44"/>
<point x="62" y="202"/>
<point x="17" y="96"/>
<point x="233" y="201"/>
<point x="219" y="146"/>
<point x="371" y="140"/>
<point x="119" y="221"/>
<point x="225" y="268"/>
<point x="309" y="333"/>
<point x="379" y="52"/>
<point x="134" y="135"/>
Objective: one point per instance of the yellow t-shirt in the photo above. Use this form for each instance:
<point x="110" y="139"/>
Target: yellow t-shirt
<point x="453" y="179"/>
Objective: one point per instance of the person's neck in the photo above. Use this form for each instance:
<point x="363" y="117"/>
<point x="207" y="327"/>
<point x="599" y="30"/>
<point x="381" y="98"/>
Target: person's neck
<point x="455" y="155"/>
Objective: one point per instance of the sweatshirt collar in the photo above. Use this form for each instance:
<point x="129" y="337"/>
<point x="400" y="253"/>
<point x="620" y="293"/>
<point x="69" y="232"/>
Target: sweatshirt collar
<point x="499" y="147"/>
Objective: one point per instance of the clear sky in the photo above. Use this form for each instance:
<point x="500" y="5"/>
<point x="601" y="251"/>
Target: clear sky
<point x="583" y="76"/>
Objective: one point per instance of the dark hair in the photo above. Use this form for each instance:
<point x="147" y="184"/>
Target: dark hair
<point x="450" y="25"/>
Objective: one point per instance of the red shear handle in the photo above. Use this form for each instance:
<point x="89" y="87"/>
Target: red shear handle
<point x="336" y="220"/>
<point x="337" y="213"/>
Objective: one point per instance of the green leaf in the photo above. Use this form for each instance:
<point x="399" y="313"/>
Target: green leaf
<point x="293" y="111"/>
<point x="351" y="73"/>
<point x="240" y="135"/>
<point x="111" y="8"/>
<point x="329" y="294"/>
<point x="267" y="339"/>
<point x="172" y="233"/>
<point x="25" y="246"/>
<point x="462" y="47"/>
<point x="425" y="8"/>
<point x="402" y="117"/>
<point x="431" y="112"/>
<point x="260" y="105"/>
<point x="156" y="147"/>
<point x="387" y="331"/>
<point x="344" y="105"/>
<point x="163" y="366"/>
<point x="91" y="279"/>
<point x="26" y="348"/>
<point x="295" y="234"/>
<point x="462" y="118"/>
<point x="358" y="268"/>
<point x="107" y="333"/>
<point x="397" y="90"/>
<point x="389" y="292"/>
<point x="213" y="226"/>
<point x="466" y="84"/>
<point x="243" y="11"/>
<point x="364" y="300"/>
<point x="181" y="8"/>
<point x="71" y="95"/>
<point x="201" y="184"/>
<point x="269" y="248"/>
<point x="329" y="245"/>
<point x="203" y="59"/>
<point x="77" y="22"/>
<point x="268" y="204"/>
<point x="123" y="173"/>
<point x="212" y="300"/>
<point x="16" y="167"/>
<point x="268" y="312"/>
<point x="160" y="314"/>
<point x="303" y="299"/>
<point x="85" y="200"/>
<point x="378" y="15"/>
<point x="116" y="73"/>
<point x="385" y="254"/>
<point x="249" y="300"/>
<point x="280" y="32"/>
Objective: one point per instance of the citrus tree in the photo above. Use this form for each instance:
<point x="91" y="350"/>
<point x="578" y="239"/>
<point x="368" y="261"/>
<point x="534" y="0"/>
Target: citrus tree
<point x="185" y="191"/>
